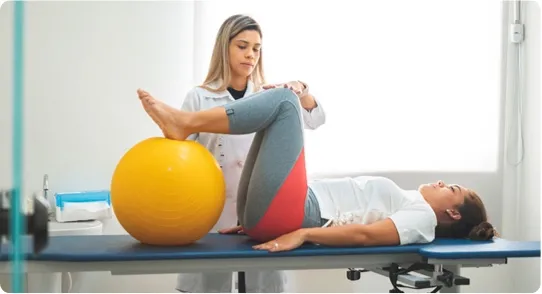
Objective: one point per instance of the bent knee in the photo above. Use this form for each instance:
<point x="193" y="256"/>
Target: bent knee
<point x="288" y="95"/>
<point x="282" y="95"/>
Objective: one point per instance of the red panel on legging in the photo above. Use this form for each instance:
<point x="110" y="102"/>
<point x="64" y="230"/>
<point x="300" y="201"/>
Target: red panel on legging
<point x="286" y="212"/>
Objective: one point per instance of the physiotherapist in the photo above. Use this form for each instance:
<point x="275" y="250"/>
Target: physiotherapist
<point x="236" y="72"/>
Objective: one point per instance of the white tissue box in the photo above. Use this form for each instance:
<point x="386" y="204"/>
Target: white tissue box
<point x="82" y="206"/>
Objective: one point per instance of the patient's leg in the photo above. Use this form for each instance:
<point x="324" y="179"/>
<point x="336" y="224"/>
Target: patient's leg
<point x="246" y="174"/>
<point x="273" y="188"/>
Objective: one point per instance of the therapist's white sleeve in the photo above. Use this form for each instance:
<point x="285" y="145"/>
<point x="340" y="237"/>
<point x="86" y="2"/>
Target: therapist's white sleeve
<point x="415" y="224"/>
<point x="315" y="117"/>
<point x="191" y="103"/>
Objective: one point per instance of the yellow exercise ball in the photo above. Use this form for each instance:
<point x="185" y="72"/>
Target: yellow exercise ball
<point x="167" y="192"/>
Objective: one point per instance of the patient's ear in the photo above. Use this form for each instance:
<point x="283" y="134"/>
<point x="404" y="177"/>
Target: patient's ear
<point x="454" y="214"/>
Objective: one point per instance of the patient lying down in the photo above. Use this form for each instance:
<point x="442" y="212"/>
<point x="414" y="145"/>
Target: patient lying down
<point x="281" y="209"/>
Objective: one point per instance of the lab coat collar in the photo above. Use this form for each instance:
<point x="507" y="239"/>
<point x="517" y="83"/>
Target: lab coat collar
<point x="225" y="93"/>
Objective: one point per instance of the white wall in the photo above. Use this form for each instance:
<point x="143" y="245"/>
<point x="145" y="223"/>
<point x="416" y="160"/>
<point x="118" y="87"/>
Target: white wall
<point x="521" y="203"/>
<point x="84" y="61"/>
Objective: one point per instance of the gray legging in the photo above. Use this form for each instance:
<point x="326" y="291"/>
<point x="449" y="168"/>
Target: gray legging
<point x="273" y="196"/>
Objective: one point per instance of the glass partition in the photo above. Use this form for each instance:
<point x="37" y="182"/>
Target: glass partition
<point x="16" y="200"/>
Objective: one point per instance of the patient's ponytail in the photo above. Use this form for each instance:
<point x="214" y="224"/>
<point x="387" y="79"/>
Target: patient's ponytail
<point x="473" y="223"/>
<point x="483" y="231"/>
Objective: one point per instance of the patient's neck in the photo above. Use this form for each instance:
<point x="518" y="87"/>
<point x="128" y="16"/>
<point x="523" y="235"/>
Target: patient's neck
<point x="434" y="205"/>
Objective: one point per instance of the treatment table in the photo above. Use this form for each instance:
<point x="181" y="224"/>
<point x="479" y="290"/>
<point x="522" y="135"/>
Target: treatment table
<point x="439" y="261"/>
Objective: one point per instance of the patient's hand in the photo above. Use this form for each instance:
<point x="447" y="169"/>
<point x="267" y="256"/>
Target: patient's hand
<point x="286" y="242"/>
<point x="234" y="230"/>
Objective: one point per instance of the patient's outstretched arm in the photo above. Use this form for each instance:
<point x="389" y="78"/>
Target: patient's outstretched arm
<point x="380" y="233"/>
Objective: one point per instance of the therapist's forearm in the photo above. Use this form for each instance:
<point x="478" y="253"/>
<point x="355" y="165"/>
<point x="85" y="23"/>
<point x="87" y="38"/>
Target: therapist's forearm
<point x="348" y="235"/>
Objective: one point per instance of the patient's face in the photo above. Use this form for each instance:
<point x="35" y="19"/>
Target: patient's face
<point x="443" y="195"/>
<point x="244" y="51"/>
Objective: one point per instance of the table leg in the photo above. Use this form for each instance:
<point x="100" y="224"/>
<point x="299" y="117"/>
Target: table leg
<point x="455" y="269"/>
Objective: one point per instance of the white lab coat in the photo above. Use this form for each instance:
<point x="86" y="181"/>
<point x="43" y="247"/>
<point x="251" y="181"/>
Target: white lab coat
<point x="231" y="152"/>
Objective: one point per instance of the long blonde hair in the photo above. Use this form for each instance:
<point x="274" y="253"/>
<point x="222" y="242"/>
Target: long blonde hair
<point x="219" y="69"/>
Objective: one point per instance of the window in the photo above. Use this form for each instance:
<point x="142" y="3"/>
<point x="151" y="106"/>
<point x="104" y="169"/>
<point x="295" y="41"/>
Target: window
<point x="407" y="85"/>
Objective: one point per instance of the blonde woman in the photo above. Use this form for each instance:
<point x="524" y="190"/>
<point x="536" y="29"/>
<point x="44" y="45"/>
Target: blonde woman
<point x="236" y="71"/>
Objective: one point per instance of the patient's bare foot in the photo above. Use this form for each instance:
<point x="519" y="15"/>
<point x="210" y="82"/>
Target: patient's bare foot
<point x="142" y="94"/>
<point x="170" y="120"/>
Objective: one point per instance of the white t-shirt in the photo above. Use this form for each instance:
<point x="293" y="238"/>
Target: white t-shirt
<point x="368" y="199"/>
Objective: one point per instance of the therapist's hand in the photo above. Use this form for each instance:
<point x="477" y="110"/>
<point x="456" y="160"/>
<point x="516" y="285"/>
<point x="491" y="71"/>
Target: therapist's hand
<point x="295" y="86"/>
<point x="286" y="242"/>
<point x="234" y="230"/>
<point x="307" y="101"/>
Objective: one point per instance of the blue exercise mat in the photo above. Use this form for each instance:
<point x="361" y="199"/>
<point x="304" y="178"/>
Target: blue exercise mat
<point x="125" y="248"/>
